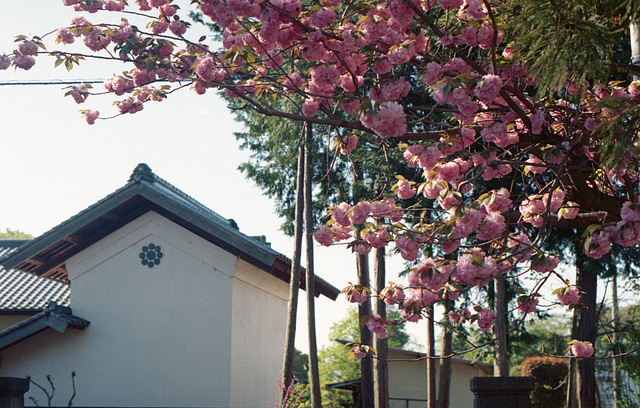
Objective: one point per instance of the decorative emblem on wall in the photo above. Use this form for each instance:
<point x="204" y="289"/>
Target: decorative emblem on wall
<point x="151" y="255"/>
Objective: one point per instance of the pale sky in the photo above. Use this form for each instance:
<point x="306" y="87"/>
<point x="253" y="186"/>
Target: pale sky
<point x="55" y="165"/>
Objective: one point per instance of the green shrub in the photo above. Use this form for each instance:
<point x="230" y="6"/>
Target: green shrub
<point x="549" y="374"/>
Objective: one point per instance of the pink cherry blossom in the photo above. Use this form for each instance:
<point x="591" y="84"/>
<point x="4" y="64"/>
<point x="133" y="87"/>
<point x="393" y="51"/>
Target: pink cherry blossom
<point x="96" y="40"/>
<point x="388" y="121"/>
<point x="360" y="212"/>
<point x="79" y="93"/>
<point x="323" y="17"/>
<point x="129" y="105"/>
<point x="628" y="234"/>
<point x="292" y="82"/>
<point x="450" y="245"/>
<point x="590" y="124"/>
<point x="358" y="353"/>
<point x="143" y="5"/>
<point x="28" y="48"/>
<point x="349" y="144"/>
<point x="467" y="224"/>
<point x="377" y="326"/>
<point x="498" y="201"/>
<point x="409" y="249"/>
<point x="395" y="90"/>
<point x="405" y="190"/>
<point x="90" y="116"/>
<point x="5" y="62"/>
<point x="420" y="298"/>
<point x="392" y="294"/>
<point x="178" y="27"/>
<point x="493" y="226"/>
<point x="64" y="36"/>
<point x="168" y="10"/>
<point x="470" y="36"/>
<point x="546" y="264"/>
<point x="489" y="88"/>
<point x="362" y="249"/>
<point x="430" y="274"/>
<point x="457" y="66"/>
<point x="557" y="200"/>
<point x="378" y="238"/>
<point x="486" y="318"/>
<point x="569" y="295"/>
<point x="356" y="293"/>
<point x="339" y="214"/>
<point x="23" y="61"/>
<point x="157" y="3"/>
<point x="340" y="232"/>
<point x="382" y="66"/>
<point x="582" y="349"/>
<point x="323" y="236"/>
<point x="310" y="107"/>
<point x="433" y="73"/>
<point x="114" y="5"/>
<point x="630" y="212"/>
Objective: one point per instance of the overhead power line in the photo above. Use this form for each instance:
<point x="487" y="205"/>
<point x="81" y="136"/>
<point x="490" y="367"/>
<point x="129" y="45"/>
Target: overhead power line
<point x="52" y="82"/>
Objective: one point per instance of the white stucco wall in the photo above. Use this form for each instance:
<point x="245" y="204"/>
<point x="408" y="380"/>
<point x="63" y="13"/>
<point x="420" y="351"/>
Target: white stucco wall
<point x="158" y="336"/>
<point x="258" y="335"/>
<point x="10" y="320"/>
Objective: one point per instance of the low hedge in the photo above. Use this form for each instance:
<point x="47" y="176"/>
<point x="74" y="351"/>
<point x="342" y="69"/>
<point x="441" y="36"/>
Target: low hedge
<point x="550" y="374"/>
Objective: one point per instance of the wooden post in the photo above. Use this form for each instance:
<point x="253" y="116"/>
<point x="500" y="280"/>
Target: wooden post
<point x="503" y="392"/>
<point x="12" y="390"/>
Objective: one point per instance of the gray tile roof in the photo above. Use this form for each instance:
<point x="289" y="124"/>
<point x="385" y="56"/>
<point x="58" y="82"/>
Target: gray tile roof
<point x="25" y="293"/>
<point x="145" y="191"/>
<point x="58" y="318"/>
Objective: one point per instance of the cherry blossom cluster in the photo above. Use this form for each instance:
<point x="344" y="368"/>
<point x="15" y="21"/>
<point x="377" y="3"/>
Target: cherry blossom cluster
<point x="494" y="164"/>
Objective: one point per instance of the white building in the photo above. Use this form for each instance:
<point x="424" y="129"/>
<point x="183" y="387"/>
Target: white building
<point x="408" y="380"/>
<point x="172" y="306"/>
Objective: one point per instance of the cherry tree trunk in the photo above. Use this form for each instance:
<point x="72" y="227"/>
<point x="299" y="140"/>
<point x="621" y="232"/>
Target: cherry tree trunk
<point x="294" y="283"/>
<point x="501" y="357"/>
<point x="615" y="320"/>
<point x="444" y="386"/>
<point x="381" y="365"/>
<point x="587" y="331"/>
<point x="431" y="361"/>
<point x="366" y="337"/>
<point x="314" y="376"/>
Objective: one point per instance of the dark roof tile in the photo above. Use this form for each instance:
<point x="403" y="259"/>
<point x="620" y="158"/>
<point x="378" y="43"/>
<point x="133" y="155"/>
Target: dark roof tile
<point x="24" y="293"/>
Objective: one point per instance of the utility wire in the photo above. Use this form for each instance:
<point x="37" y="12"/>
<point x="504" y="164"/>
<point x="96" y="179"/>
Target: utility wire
<point x="52" y="82"/>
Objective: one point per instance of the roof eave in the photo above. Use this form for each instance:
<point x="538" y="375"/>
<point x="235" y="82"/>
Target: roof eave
<point x="70" y="226"/>
<point x="56" y="318"/>
<point x="171" y="206"/>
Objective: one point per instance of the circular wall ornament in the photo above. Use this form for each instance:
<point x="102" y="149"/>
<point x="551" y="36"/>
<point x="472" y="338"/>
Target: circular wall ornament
<point x="151" y="255"/>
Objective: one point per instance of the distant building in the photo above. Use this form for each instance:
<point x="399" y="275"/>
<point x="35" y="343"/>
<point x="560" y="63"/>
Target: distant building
<point x="172" y="305"/>
<point x="408" y="380"/>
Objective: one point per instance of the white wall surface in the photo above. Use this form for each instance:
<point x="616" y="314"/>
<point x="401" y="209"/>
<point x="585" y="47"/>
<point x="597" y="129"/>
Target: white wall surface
<point x="10" y="320"/>
<point x="258" y="335"/>
<point x="158" y="336"/>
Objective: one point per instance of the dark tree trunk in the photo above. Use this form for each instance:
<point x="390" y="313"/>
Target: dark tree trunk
<point x="444" y="388"/>
<point x="573" y="401"/>
<point x="366" y="337"/>
<point x="501" y="357"/>
<point x="615" y="323"/>
<point x="431" y="361"/>
<point x="294" y="285"/>
<point x="314" y="376"/>
<point x="587" y="280"/>
<point x="381" y="365"/>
